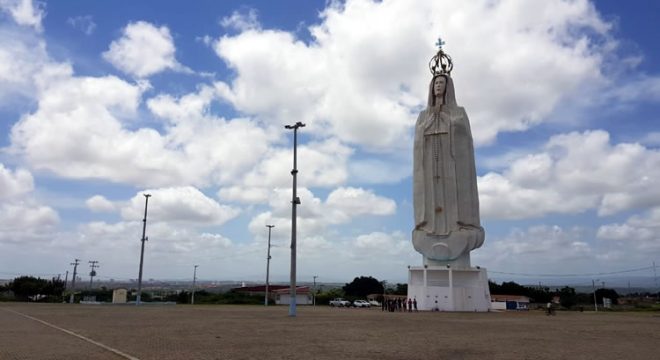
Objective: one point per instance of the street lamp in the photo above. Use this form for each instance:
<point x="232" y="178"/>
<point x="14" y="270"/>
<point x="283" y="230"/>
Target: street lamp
<point x="294" y="202"/>
<point x="192" y="297"/>
<point x="144" y="238"/>
<point x="270" y="227"/>
<point x="593" y="285"/>
<point x="314" y="291"/>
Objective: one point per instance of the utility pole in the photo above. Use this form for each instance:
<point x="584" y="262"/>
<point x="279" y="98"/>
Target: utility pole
<point x="294" y="202"/>
<point x="73" y="280"/>
<point x="144" y="238"/>
<point x="314" y="291"/>
<point x="270" y="227"/>
<point x="192" y="297"/>
<point x="93" y="265"/>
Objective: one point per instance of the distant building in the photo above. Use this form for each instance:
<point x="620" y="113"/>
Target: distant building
<point x="509" y="302"/>
<point x="283" y="297"/>
<point x="119" y="296"/>
<point x="278" y="293"/>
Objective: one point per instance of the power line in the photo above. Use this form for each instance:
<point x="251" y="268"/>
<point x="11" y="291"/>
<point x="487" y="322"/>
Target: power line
<point x="572" y="275"/>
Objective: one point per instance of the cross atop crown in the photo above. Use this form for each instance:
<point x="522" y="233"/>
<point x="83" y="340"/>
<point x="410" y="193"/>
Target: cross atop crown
<point x="441" y="63"/>
<point x="439" y="43"/>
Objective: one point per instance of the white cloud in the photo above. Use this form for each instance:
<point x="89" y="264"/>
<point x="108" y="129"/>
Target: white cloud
<point x="349" y="202"/>
<point x="22" y="57"/>
<point x="539" y="247"/>
<point x="382" y="169"/>
<point x="170" y="251"/>
<point x="26" y="215"/>
<point x="22" y="218"/>
<point x="380" y="243"/>
<point x="26" y="221"/>
<point x="642" y="88"/>
<point x="212" y="150"/>
<point x="241" y="21"/>
<point x="84" y="128"/>
<point x="640" y="232"/>
<point x="319" y="164"/>
<point x="314" y="215"/>
<point x="181" y="205"/>
<point x="143" y="50"/>
<point x="24" y="12"/>
<point x="98" y="203"/>
<point x="358" y="85"/>
<point x="651" y="139"/>
<point x="76" y="132"/>
<point x="14" y="183"/>
<point x="566" y="178"/>
<point x="354" y="81"/>
<point x="243" y="194"/>
<point x="84" y="23"/>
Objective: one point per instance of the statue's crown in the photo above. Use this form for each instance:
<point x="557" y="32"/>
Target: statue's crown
<point x="441" y="63"/>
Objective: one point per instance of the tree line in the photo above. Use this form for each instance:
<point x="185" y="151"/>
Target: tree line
<point x="568" y="297"/>
<point x="29" y="288"/>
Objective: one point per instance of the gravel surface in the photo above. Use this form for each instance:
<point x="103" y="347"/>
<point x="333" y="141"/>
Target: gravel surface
<point x="257" y="332"/>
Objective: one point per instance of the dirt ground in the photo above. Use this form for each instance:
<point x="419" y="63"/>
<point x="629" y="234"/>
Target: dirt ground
<point x="257" y="332"/>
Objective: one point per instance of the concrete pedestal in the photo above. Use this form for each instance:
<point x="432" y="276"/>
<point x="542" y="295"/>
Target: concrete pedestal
<point x="442" y="288"/>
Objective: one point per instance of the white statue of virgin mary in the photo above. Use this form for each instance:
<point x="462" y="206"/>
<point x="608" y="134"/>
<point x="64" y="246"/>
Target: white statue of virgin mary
<point x="446" y="201"/>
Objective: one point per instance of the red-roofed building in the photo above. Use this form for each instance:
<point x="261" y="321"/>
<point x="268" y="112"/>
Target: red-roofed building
<point x="279" y="293"/>
<point x="283" y="297"/>
<point x="259" y="289"/>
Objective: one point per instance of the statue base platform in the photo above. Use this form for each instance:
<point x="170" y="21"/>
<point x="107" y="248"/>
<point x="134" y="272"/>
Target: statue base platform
<point x="443" y="288"/>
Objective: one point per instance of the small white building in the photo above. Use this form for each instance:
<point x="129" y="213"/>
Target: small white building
<point x="119" y="296"/>
<point x="283" y="297"/>
<point x="509" y="302"/>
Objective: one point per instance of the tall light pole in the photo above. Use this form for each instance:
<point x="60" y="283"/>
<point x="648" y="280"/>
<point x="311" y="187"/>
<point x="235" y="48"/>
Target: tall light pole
<point x="270" y="227"/>
<point x="66" y="281"/>
<point x="593" y="285"/>
<point x="314" y="292"/>
<point x="73" y="280"/>
<point x="294" y="202"/>
<point x="655" y="276"/>
<point x="93" y="265"/>
<point x="192" y="297"/>
<point x="144" y="238"/>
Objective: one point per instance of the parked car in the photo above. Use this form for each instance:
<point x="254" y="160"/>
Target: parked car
<point x="339" y="302"/>
<point x="374" y="303"/>
<point x="361" y="303"/>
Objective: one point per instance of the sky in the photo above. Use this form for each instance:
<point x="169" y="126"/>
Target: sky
<point x="102" y="102"/>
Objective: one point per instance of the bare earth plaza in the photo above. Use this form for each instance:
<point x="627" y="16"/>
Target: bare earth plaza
<point x="253" y="332"/>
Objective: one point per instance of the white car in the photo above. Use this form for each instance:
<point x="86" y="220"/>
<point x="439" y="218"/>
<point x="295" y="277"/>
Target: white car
<point x="361" y="303"/>
<point x="374" y="303"/>
<point x="339" y="302"/>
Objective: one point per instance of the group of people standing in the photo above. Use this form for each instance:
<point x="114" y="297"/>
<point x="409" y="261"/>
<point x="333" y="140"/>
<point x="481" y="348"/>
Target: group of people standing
<point x="399" y="304"/>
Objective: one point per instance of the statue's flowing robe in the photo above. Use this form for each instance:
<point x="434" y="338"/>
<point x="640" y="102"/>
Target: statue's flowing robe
<point x="445" y="195"/>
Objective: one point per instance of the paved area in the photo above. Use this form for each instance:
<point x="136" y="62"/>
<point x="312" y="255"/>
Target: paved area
<point x="256" y="332"/>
